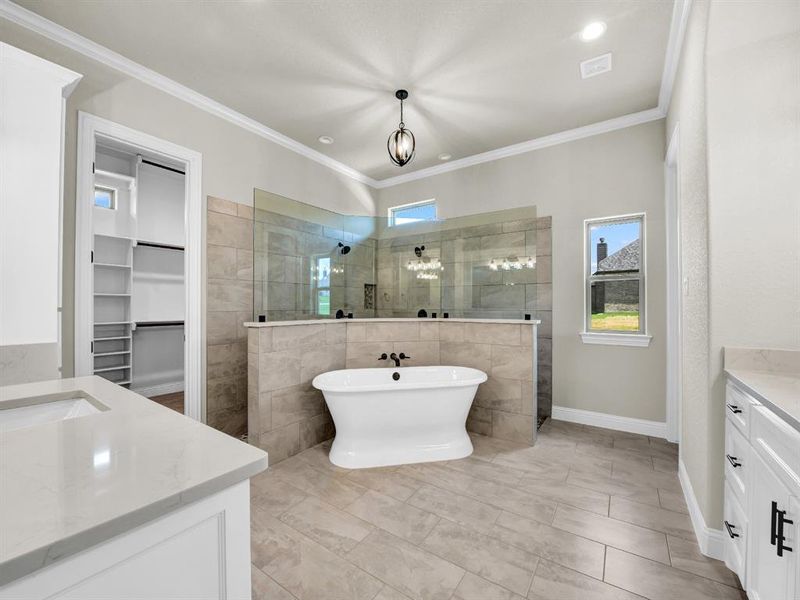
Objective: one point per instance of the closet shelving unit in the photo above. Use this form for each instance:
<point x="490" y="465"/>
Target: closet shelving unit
<point x="138" y="273"/>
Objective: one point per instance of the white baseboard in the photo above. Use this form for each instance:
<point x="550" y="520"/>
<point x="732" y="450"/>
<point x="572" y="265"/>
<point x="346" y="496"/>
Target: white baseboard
<point x="159" y="390"/>
<point x="597" y="419"/>
<point x="710" y="540"/>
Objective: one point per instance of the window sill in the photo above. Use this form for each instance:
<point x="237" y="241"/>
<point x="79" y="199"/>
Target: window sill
<point x="639" y="340"/>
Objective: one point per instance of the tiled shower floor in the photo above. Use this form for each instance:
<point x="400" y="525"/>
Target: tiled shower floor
<point x="587" y="513"/>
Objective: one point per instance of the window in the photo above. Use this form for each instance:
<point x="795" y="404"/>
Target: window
<point x="323" y="284"/>
<point x="105" y="197"/>
<point x="615" y="281"/>
<point x="412" y="213"/>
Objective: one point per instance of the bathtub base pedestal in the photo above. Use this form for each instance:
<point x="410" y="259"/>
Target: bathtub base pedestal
<point x="365" y="454"/>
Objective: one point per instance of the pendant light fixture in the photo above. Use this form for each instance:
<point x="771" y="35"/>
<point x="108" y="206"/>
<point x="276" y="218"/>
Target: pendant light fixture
<point x="401" y="144"/>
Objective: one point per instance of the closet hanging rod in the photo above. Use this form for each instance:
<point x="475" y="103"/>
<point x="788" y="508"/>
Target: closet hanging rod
<point x="166" y="168"/>
<point x="157" y="245"/>
<point x="158" y="323"/>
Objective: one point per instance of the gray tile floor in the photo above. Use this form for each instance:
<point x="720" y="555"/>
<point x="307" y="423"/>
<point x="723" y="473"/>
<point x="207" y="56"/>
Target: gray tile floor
<point x="587" y="513"/>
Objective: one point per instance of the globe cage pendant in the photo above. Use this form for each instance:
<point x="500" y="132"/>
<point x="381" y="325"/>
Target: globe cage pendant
<point x="401" y="144"/>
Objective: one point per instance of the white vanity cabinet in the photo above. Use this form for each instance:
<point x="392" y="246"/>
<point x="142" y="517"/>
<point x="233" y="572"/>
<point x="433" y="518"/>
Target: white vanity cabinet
<point x="762" y="498"/>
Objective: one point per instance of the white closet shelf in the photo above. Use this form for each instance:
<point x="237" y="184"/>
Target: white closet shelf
<point x="117" y="368"/>
<point x="111" y="266"/>
<point x="111" y="295"/>
<point x="98" y="354"/>
<point x="112" y="338"/>
<point x="116" y="237"/>
<point x="98" y="323"/>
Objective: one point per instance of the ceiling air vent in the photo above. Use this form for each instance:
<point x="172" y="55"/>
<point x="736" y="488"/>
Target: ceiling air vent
<point x="596" y="66"/>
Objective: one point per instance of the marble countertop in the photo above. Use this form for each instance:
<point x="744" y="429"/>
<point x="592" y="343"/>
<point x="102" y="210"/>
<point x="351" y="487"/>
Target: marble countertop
<point x="395" y="320"/>
<point x="68" y="485"/>
<point x="778" y="391"/>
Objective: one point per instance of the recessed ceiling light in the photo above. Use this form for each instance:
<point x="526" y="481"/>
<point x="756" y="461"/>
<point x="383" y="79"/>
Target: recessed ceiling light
<point x="445" y="156"/>
<point x="325" y="139"/>
<point x="593" y="31"/>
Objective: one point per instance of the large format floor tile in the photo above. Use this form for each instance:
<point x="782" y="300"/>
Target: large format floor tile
<point x="409" y="569"/>
<point x="660" y="582"/>
<point x="586" y="514"/>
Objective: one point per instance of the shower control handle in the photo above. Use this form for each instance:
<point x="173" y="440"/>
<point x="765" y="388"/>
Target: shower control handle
<point x="404" y="356"/>
<point x="383" y="356"/>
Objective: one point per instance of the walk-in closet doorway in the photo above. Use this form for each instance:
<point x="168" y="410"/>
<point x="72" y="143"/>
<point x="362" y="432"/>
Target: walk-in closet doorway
<point x="138" y="264"/>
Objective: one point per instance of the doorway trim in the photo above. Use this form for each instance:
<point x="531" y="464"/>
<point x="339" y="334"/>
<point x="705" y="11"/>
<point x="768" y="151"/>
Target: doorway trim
<point x="674" y="286"/>
<point x="91" y="127"/>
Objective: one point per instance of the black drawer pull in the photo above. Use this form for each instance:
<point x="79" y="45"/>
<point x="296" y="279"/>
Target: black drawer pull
<point x="777" y="538"/>
<point x="733" y="460"/>
<point x="730" y="529"/>
<point x="734" y="409"/>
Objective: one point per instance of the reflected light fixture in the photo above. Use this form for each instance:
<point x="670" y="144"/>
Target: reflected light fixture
<point x="593" y="31"/>
<point x="401" y="144"/>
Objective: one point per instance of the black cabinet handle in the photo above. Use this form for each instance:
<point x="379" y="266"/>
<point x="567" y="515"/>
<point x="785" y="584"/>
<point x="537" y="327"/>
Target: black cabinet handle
<point x="733" y="460"/>
<point x="730" y="529"/>
<point x="734" y="409"/>
<point x="778" y="519"/>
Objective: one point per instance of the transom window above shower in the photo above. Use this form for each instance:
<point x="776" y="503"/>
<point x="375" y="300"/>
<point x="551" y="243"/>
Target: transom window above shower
<point x="412" y="213"/>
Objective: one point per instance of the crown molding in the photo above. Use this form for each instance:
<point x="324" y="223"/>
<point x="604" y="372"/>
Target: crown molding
<point x="645" y="116"/>
<point x="59" y="34"/>
<point x="677" y="32"/>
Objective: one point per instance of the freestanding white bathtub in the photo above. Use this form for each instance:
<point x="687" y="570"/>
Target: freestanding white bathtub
<point x="420" y="417"/>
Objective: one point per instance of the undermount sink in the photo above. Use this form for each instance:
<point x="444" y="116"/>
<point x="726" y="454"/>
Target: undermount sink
<point x="38" y="410"/>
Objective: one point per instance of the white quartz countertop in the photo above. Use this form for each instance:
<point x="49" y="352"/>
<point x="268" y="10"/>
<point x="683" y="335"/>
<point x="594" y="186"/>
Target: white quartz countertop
<point x="388" y="320"/>
<point x="780" y="392"/>
<point x="68" y="485"/>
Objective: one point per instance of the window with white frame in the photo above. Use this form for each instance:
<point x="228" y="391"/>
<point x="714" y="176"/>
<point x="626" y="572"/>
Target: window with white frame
<point x="105" y="197"/>
<point x="615" y="277"/>
<point x="412" y="213"/>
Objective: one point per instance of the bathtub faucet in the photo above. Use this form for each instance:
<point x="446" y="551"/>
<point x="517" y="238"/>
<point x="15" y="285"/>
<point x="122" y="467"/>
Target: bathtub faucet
<point x="397" y="358"/>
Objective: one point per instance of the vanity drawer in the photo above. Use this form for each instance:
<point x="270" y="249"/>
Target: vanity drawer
<point x="737" y="461"/>
<point x="738" y="405"/>
<point x="778" y="444"/>
<point x="734" y="534"/>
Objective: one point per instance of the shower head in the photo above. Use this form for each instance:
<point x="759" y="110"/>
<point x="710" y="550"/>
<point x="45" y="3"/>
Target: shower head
<point x="344" y="249"/>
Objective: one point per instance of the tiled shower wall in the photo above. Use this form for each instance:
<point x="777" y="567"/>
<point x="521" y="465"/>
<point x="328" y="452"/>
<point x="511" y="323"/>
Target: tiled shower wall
<point x="229" y="304"/>
<point x="286" y="253"/>
<point x="287" y="415"/>
<point x="468" y="288"/>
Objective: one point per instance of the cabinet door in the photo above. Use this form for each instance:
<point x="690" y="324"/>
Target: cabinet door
<point x="770" y="573"/>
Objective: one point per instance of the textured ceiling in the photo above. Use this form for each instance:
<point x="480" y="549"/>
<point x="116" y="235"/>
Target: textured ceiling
<point x="481" y="74"/>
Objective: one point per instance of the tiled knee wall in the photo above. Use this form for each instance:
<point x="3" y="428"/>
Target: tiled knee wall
<point x="287" y="415"/>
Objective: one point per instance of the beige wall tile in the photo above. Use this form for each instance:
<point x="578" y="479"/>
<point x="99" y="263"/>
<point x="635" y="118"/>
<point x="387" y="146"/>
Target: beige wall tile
<point x="221" y="206"/>
<point x="220" y="394"/>
<point x="244" y="264"/>
<point x="321" y="359"/>
<point x="365" y="354"/>
<point x="356" y="332"/>
<point x="295" y="403"/>
<point x="220" y="327"/>
<point x="226" y="360"/>
<point x="490" y="333"/>
<point x="221" y="262"/>
<point x="244" y="211"/>
<point x="429" y="332"/>
<point x="298" y="335"/>
<point x="253" y="335"/>
<point x="392" y="332"/>
<point x="278" y="369"/>
<point x="316" y="430"/>
<point x="477" y="356"/>
<point x="227" y="230"/>
<point x="510" y="426"/>
<point x="502" y="394"/>
<point x="335" y="333"/>
<point x="512" y="362"/>
<point x="281" y="442"/>
<point x="265" y="339"/>
<point x="451" y="332"/>
<point x="229" y="295"/>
